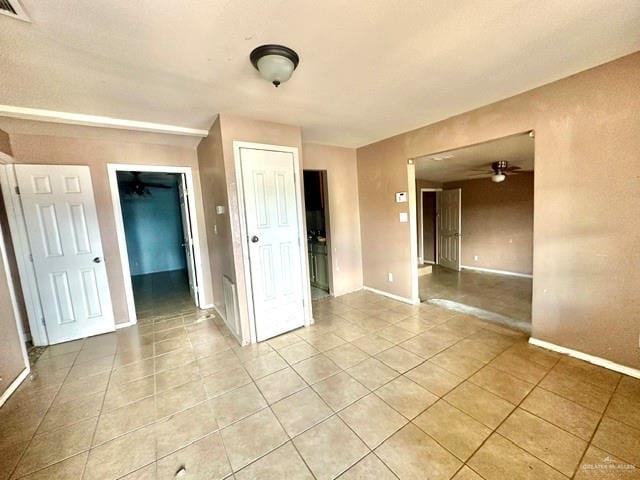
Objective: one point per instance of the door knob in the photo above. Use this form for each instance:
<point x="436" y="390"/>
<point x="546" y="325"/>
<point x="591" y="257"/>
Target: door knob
<point x="97" y="260"/>
<point x="254" y="239"/>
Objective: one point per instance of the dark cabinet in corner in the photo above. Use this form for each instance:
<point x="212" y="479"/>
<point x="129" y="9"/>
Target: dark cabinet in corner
<point x="319" y="265"/>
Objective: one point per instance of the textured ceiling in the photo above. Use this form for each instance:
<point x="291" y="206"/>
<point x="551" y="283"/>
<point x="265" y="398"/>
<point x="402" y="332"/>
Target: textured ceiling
<point x="461" y="164"/>
<point x="368" y="69"/>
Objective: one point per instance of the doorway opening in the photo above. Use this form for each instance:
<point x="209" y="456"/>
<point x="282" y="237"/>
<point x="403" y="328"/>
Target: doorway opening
<point x="475" y="229"/>
<point x="318" y="242"/>
<point x="156" y="226"/>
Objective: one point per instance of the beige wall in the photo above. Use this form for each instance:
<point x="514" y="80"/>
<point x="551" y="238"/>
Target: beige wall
<point x="497" y="223"/>
<point x="586" y="222"/>
<point x="226" y="130"/>
<point x="96" y="152"/>
<point x="344" y="214"/>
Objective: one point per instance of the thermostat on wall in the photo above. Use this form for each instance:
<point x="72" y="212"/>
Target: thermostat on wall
<point x="401" y="197"/>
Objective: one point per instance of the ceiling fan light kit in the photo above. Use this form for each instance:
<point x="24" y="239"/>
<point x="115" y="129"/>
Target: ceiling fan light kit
<point x="275" y="63"/>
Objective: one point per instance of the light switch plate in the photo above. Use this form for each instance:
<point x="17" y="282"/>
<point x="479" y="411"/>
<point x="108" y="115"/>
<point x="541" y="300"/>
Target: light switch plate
<point x="401" y="197"/>
<point x="404" y="217"/>
<point x="220" y="209"/>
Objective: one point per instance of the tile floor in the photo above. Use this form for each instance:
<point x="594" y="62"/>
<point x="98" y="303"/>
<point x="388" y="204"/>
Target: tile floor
<point x="374" y="390"/>
<point x="502" y="294"/>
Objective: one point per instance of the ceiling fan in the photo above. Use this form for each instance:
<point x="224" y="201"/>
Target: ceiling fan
<point x="137" y="186"/>
<point x="500" y="170"/>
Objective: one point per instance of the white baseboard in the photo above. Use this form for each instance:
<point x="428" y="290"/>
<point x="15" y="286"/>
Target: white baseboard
<point x="393" y="296"/>
<point x="125" y="325"/>
<point x="601" y="362"/>
<point x="14" y="385"/>
<point x="500" y="272"/>
<point x="207" y="306"/>
<point x="346" y="292"/>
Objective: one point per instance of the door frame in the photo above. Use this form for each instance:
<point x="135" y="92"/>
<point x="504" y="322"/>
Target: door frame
<point x="5" y="162"/>
<point x="421" y="224"/>
<point x="22" y="249"/>
<point x="302" y="237"/>
<point x="112" y="171"/>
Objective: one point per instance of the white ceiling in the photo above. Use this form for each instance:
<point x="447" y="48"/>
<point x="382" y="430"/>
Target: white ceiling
<point x="461" y="164"/>
<point x="368" y="69"/>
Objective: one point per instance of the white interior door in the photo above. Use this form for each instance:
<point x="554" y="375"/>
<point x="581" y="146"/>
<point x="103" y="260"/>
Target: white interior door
<point x="271" y="213"/>
<point x="62" y="224"/>
<point x="187" y="237"/>
<point x="449" y="226"/>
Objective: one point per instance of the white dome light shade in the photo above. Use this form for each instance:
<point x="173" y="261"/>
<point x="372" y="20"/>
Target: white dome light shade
<point x="275" y="68"/>
<point x="498" y="177"/>
<point x="275" y="63"/>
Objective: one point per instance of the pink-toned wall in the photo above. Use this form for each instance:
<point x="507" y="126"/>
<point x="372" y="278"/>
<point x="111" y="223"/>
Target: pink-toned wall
<point x="79" y="148"/>
<point x="344" y="214"/>
<point x="216" y="157"/>
<point x="497" y="223"/>
<point x="586" y="222"/>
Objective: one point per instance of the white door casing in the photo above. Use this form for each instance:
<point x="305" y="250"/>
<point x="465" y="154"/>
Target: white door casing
<point x="187" y="238"/>
<point x="64" y="235"/>
<point x="273" y="240"/>
<point x="449" y="228"/>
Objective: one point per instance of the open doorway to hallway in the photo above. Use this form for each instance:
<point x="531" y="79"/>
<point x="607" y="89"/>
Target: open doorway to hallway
<point x="318" y="242"/>
<point x="159" y="240"/>
<point x="475" y="229"/>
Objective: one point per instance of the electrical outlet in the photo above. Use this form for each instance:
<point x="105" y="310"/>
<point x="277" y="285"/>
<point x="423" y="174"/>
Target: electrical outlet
<point x="390" y="277"/>
<point x="475" y="257"/>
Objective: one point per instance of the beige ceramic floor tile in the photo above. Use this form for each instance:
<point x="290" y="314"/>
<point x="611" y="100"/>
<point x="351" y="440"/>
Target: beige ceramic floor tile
<point x="619" y="439"/>
<point x="629" y="386"/>
<point x="434" y="378"/>
<point x="466" y="473"/>
<point x="484" y="406"/>
<point x="625" y="409"/>
<point x="395" y="334"/>
<point x="588" y="373"/>
<point x="297" y="352"/>
<point x="346" y="355"/>
<point x="225" y="381"/>
<point x="499" y="459"/>
<point x="316" y="368"/>
<point x="56" y="445"/>
<point x="340" y="390"/>
<point x="121" y="394"/>
<point x="148" y="472"/>
<point x="253" y="437"/>
<point x="179" y="398"/>
<point x="372" y="420"/>
<point x="369" y="468"/>
<point x="412" y="454"/>
<point x="117" y="422"/>
<point x="318" y="448"/>
<point x="372" y="344"/>
<point x="456" y="431"/>
<point x="69" y="469"/>
<point x="283" y="462"/>
<point x="122" y="455"/>
<point x="205" y="459"/>
<point x="406" y="396"/>
<point x="181" y="429"/>
<point x="545" y="441"/>
<point x="237" y="404"/>
<point x="564" y="413"/>
<point x="399" y="359"/>
<point x="72" y="411"/>
<point x="279" y="385"/>
<point x="457" y="364"/>
<point x="502" y="384"/>
<point x="600" y="465"/>
<point x="585" y="394"/>
<point x="176" y="376"/>
<point x="301" y="411"/>
<point x="518" y="367"/>
<point x="326" y="342"/>
<point x="372" y="373"/>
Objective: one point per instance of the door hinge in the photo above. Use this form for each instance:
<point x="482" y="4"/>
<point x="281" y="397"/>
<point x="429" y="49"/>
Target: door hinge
<point x="31" y="258"/>
<point x="17" y="190"/>
<point x="42" y="321"/>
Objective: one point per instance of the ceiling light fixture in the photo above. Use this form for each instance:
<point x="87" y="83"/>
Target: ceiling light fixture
<point x="275" y="63"/>
<point x="498" y="177"/>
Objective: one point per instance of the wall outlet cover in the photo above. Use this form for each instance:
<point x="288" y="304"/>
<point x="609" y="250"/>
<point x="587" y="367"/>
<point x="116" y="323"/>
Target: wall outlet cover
<point x="404" y="217"/>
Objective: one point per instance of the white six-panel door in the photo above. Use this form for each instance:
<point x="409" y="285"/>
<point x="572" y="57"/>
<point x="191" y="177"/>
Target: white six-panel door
<point x="449" y="208"/>
<point x="271" y="213"/>
<point x="64" y="236"/>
